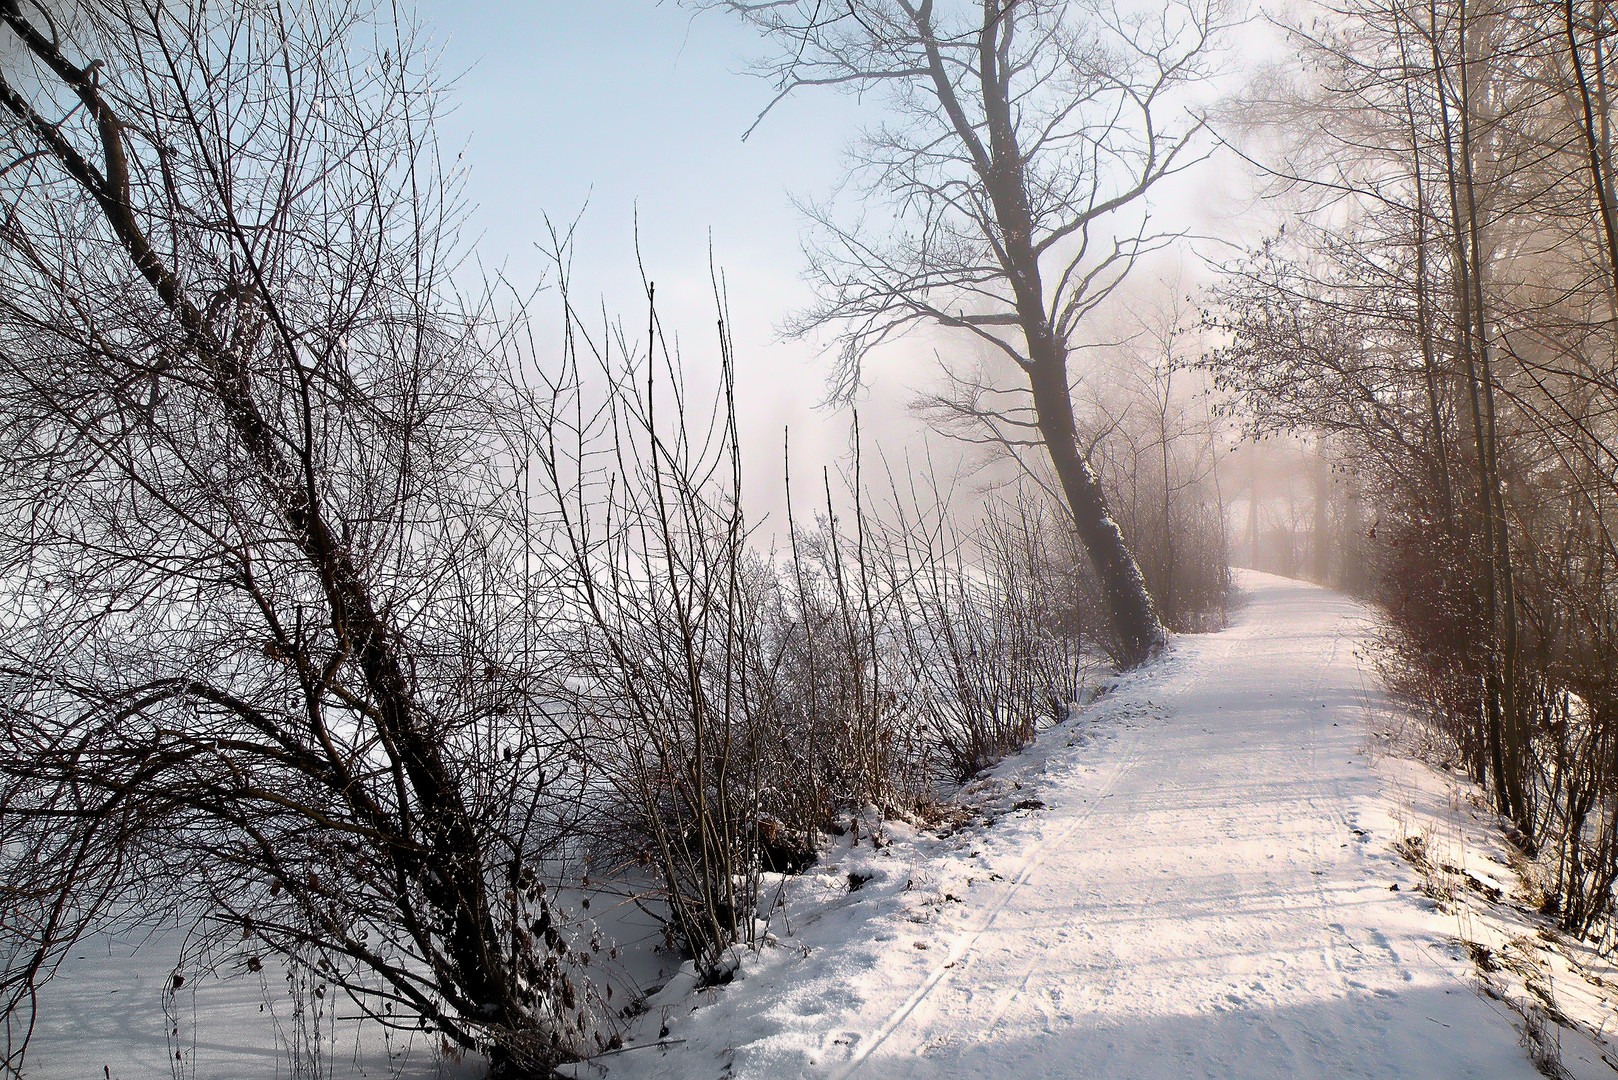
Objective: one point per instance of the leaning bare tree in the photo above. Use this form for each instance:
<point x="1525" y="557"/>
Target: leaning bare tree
<point x="266" y="659"/>
<point x="1026" y="137"/>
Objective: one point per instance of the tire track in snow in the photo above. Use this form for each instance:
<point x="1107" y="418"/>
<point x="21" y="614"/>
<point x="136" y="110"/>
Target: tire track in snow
<point x="957" y="958"/>
<point x="1197" y="667"/>
<point x="1326" y="800"/>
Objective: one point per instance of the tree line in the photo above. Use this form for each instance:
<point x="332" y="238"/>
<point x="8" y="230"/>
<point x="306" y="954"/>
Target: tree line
<point x="1440" y="313"/>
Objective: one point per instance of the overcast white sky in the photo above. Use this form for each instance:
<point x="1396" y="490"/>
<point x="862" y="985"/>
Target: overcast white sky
<point x="634" y="105"/>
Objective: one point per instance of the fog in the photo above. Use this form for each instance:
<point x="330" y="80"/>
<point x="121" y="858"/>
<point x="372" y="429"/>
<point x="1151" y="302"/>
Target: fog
<point x="398" y="554"/>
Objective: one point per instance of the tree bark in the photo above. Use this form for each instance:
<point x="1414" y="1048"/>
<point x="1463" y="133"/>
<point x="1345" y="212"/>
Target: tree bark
<point x="1134" y="618"/>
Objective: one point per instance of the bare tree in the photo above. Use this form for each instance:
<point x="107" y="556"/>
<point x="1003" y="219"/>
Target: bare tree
<point x="1026" y="137"/>
<point x="267" y="660"/>
<point x="1151" y="431"/>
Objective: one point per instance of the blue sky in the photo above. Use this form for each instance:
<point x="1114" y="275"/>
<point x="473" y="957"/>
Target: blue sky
<point x="625" y="103"/>
<point x="619" y="107"/>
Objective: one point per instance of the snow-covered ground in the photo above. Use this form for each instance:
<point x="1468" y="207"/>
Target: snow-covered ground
<point x="113" y="1012"/>
<point x="1207" y="891"/>
<point x="1193" y="877"/>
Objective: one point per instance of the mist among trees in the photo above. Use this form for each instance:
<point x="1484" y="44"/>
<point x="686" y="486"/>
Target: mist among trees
<point x="377" y="617"/>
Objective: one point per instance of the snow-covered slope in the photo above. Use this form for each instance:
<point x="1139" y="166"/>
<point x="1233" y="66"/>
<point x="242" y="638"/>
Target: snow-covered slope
<point x="1192" y="878"/>
<point x="1206" y="892"/>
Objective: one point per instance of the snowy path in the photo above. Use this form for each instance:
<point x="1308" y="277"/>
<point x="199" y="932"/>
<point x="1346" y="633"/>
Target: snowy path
<point x="1206" y="894"/>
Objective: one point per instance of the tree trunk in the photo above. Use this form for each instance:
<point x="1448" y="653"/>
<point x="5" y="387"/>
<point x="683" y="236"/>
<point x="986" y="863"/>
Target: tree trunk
<point x="431" y="837"/>
<point x="1134" y="618"/>
<point x="1322" y="539"/>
